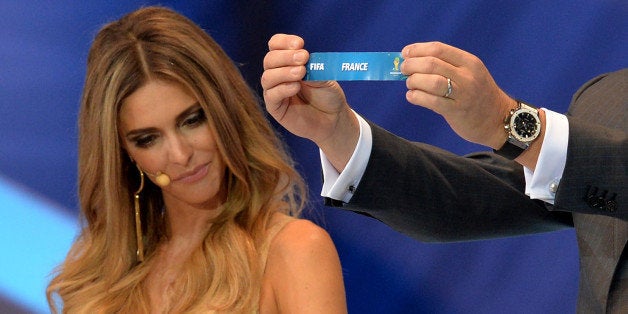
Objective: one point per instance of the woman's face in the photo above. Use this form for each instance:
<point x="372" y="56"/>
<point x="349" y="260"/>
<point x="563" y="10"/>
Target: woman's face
<point x="164" y="129"/>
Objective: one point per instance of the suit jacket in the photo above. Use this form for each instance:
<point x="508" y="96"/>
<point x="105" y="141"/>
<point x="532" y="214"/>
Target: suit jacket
<point x="435" y="196"/>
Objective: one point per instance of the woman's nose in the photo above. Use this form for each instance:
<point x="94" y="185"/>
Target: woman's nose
<point x="180" y="150"/>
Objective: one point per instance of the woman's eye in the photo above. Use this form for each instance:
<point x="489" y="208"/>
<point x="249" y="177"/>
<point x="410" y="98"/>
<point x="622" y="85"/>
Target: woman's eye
<point x="195" y="119"/>
<point x="144" y="141"/>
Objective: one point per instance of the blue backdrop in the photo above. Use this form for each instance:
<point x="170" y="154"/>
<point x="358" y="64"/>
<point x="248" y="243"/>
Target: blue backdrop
<point x="539" y="51"/>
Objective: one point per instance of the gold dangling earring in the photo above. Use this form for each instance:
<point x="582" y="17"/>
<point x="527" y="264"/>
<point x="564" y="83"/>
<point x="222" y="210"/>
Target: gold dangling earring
<point x="138" y="221"/>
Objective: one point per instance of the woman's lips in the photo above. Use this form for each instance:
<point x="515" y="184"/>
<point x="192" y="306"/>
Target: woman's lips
<point x="194" y="175"/>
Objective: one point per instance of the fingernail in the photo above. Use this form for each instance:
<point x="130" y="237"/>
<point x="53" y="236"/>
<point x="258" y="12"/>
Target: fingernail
<point x="299" y="57"/>
<point x="405" y="51"/>
<point x="295" y="71"/>
<point x="409" y="95"/>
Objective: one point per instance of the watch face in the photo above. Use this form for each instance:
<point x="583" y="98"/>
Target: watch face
<point x="525" y="125"/>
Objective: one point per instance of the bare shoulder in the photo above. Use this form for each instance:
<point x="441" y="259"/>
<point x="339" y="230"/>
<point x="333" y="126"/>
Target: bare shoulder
<point x="300" y="234"/>
<point x="303" y="270"/>
<point x="301" y="237"/>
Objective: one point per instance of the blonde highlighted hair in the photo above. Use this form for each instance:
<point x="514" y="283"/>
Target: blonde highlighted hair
<point x="101" y="273"/>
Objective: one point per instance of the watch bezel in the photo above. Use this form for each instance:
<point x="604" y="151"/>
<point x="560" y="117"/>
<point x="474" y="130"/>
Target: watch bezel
<point x="516" y="144"/>
<point x="515" y="133"/>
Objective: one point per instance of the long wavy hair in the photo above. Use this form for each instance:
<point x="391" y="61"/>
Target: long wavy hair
<point x="101" y="273"/>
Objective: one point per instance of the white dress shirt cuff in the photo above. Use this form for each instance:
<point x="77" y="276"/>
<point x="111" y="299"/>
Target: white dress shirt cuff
<point x="340" y="186"/>
<point x="543" y="182"/>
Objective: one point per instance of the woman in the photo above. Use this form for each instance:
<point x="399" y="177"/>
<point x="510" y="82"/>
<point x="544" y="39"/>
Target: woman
<point x="186" y="191"/>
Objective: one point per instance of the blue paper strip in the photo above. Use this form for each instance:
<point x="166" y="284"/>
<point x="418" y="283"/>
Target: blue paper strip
<point x="354" y="66"/>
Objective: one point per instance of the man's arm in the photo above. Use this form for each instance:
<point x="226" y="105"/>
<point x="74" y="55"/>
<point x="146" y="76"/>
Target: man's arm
<point x="435" y="196"/>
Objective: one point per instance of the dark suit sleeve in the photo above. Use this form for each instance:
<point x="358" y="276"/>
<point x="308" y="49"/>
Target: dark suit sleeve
<point x="436" y="196"/>
<point x="594" y="180"/>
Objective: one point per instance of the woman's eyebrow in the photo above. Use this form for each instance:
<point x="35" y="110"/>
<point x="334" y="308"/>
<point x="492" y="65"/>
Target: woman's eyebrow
<point x="191" y="109"/>
<point x="195" y="106"/>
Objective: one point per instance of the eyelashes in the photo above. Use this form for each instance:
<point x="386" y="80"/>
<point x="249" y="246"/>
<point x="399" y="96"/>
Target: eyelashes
<point x="193" y="120"/>
<point x="144" y="141"/>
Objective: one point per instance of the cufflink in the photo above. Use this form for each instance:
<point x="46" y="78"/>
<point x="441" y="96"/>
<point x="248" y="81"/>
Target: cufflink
<point x="351" y="189"/>
<point x="553" y="186"/>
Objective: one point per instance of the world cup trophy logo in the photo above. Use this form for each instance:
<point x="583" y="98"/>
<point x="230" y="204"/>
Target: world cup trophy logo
<point x="396" y="64"/>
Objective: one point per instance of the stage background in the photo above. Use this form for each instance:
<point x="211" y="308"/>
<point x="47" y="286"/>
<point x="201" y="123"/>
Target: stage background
<point x="539" y="51"/>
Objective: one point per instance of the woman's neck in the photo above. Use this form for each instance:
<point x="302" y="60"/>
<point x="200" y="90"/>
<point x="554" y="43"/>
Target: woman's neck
<point x="187" y="222"/>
